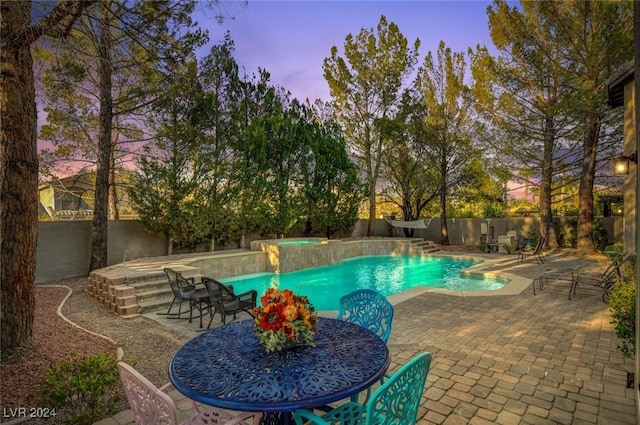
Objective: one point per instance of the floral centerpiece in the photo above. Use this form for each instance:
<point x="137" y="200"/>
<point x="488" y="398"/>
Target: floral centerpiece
<point x="284" y="320"/>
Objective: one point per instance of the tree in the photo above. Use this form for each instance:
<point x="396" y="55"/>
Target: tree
<point x="330" y="185"/>
<point x="365" y="86"/>
<point x="446" y="137"/>
<point x="547" y="92"/>
<point x="18" y="227"/>
<point x="599" y="36"/>
<point x="256" y="98"/>
<point x="278" y="141"/>
<point x="219" y="126"/>
<point x="412" y="183"/>
<point x="112" y="67"/>
<point x="168" y="173"/>
<point x="528" y="99"/>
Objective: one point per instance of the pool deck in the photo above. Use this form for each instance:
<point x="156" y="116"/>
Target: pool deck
<point x="505" y="356"/>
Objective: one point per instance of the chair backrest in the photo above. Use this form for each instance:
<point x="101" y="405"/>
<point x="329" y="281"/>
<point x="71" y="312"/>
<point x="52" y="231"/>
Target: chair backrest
<point x="221" y="296"/>
<point x="180" y="286"/>
<point x="150" y="406"/>
<point x="397" y="400"/>
<point x="369" y="309"/>
<point x="539" y="245"/>
<point x="217" y="289"/>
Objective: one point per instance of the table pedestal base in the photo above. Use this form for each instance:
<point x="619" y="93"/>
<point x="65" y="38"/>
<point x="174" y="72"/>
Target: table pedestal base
<point x="277" y="418"/>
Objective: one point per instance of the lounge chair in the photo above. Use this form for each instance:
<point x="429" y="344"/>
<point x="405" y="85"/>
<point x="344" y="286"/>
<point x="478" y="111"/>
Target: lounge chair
<point x="225" y="302"/>
<point x="369" y="309"/>
<point x="554" y="280"/>
<point x="151" y="406"/>
<point x="536" y="253"/>
<point x="395" y="402"/>
<point x="599" y="282"/>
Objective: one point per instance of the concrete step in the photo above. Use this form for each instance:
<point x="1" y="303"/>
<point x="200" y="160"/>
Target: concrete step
<point x="158" y="294"/>
<point x="161" y="305"/>
<point x="153" y="292"/>
<point x="150" y="285"/>
<point x="424" y="243"/>
<point x="429" y="250"/>
<point x="160" y="276"/>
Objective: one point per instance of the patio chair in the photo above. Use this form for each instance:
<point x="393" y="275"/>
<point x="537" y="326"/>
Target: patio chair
<point x="369" y="309"/>
<point x="152" y="406"/>
<point x="536" y="253"/>
<point x="395" y="402"/>
<point x="601" y="282"/>
<point x="184" y="289"/>
<point x="225" y="302"/>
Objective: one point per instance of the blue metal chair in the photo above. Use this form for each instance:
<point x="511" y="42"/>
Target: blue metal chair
<point x="369" y="309"/>
<point x="395" y="402"/>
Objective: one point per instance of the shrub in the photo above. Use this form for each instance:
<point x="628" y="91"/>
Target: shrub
<point x="88" y="389"/>
<point x="622" y="303"/>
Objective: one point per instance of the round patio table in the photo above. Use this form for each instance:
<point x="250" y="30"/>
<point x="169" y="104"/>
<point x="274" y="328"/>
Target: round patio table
<point x="227" y="367"/>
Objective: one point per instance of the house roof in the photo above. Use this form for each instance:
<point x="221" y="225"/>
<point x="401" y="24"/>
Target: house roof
<point x="82" y="181"/>
<point x="616" y="83"/>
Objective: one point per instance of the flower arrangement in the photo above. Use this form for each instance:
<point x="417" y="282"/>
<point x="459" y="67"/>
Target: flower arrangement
<point x="284" y="319"/>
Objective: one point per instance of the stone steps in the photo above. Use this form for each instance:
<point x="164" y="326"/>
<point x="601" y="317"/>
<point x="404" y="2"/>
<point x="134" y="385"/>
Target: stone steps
<point x="140" y="294"/>
<point x="427" y="247"/>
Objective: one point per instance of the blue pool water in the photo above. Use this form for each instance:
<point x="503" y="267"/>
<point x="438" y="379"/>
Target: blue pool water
<point x="299" y="242"/>
<point x="386" y="274"/>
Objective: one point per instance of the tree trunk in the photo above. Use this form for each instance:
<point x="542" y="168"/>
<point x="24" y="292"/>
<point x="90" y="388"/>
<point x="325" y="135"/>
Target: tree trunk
<point x="19" y="211"/>
<point x="99" y="232"/>
<point x="585" y="207"/>
<point x="371" y="230"/>
<point x="444" y="230"/>
<point x="546" y="215"/>
<point x="114" y="214"/>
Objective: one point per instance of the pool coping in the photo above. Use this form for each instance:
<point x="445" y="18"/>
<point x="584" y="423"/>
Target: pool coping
<point x="514" y="286"/>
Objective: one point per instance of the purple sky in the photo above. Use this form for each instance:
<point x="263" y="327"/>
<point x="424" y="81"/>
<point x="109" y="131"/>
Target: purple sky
<point x="290" y="39"/>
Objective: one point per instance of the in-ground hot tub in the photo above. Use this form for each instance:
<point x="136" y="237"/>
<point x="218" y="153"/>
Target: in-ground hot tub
<point x="299" y="242"/>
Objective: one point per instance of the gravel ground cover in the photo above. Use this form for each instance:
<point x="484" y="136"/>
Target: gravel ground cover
<point x="143" y="341"/>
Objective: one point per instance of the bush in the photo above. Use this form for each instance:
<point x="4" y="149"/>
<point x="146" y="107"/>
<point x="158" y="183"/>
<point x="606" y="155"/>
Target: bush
<point x="622" y="303"/>
<point x="88" y="389"/>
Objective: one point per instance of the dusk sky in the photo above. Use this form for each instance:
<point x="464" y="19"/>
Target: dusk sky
<point x="290" y="39"/>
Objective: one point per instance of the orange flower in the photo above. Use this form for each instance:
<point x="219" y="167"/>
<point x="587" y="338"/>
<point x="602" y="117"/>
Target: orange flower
<point x="290" y="312"/>
<point x="289" y="330"/>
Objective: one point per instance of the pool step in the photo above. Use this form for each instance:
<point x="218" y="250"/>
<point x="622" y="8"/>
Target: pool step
<point x="427" y="247"/>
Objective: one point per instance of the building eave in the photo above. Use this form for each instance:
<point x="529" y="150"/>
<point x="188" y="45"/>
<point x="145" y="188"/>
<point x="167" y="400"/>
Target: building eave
<point x="616" y="83"/>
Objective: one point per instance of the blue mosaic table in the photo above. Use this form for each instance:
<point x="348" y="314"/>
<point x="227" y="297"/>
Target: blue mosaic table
<point x="228" y="368"/>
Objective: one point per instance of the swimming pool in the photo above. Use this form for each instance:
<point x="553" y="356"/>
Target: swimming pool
<point x="386" y="274"/>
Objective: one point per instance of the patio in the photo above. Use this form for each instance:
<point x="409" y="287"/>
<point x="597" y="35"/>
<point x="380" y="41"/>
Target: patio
<point x="506" y="359"/>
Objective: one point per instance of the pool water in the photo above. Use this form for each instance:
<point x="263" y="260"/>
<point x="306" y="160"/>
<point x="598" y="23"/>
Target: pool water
<point x="386" y="274"/>
<point x="299" y="242"/>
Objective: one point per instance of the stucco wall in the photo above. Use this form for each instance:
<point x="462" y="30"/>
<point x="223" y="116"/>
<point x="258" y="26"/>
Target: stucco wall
<point x="64" y="246"/>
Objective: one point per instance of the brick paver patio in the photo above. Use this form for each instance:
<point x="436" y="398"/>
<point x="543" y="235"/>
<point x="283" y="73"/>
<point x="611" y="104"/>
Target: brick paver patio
<point x="511" y="359"/>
